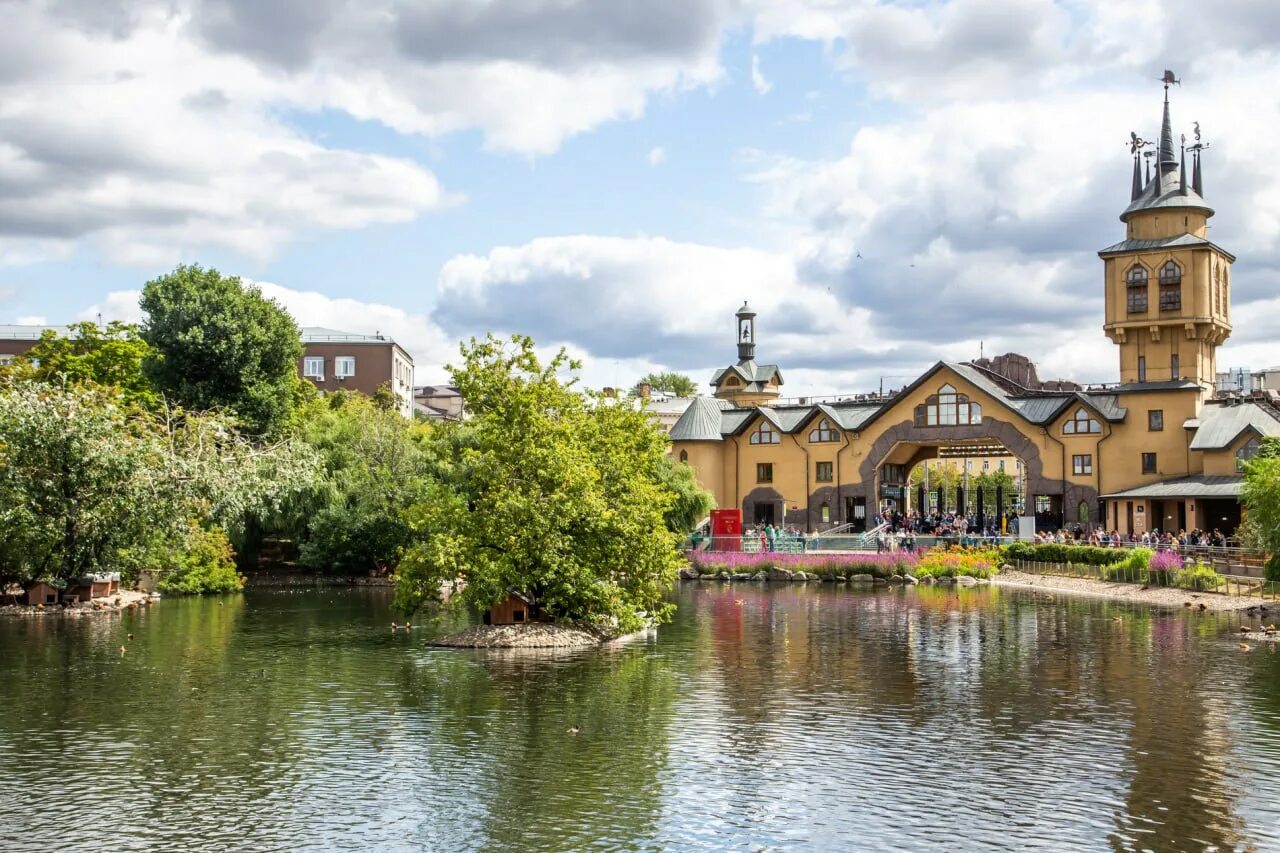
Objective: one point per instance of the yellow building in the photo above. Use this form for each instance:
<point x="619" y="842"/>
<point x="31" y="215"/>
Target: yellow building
<point x="1159" y="450"/>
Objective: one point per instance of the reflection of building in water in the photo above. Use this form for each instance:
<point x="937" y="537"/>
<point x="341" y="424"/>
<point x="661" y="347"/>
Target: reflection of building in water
<point x="1161" y="449"/>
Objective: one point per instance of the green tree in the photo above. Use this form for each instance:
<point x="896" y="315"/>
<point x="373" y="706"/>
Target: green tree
<point x="377" y="465"/>
<point x="559" y="498"/>
<point x="672" y="383"/>
<point x="989" y="481"/>
<point x="692" y="503"/>
<point x="110" y="356"/>
<point x="1261" y="498"/>
<point x="219" y="344"/>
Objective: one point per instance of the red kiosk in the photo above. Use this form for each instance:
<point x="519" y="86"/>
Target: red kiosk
<point x="726" y="530"/>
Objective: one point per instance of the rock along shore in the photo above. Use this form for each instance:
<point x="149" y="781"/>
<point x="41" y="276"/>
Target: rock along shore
<point x="125" y="599"/>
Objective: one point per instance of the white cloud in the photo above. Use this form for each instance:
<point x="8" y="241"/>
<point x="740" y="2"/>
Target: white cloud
<point x="656" y="155"/>
<point x="762" y="85"/>
<point x="31" y="320"/>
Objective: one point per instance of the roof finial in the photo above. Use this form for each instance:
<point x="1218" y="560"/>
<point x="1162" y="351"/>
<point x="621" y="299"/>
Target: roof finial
<point x="1182" y="168"/>
<point x="1167" y="161"/>
<point x="1137" y="179"/>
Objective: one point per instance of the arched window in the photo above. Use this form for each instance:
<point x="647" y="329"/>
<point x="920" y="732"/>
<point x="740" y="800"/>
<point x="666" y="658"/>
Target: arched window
<point x="1137" y="288"/>
<point x="684" y="456"/>
<point x="1246" y="453"/>
<point x="1082" y="513"/>
<point x="1081" y="423"/>
<point x="731" y="382"/>
<point x="1170" y="287"/>
<point x="826" y="513"/>
<point x="823" y="432"/>
<point x="766" y="434"/>
<point x="947" y="408"/>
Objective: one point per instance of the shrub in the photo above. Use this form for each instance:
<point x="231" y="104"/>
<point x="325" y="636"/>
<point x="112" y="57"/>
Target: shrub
<point x="1198" y="577"/>
<point x="206" y="564"/>
<point x="1087" y="555"/>
<point x="824" y="565"/>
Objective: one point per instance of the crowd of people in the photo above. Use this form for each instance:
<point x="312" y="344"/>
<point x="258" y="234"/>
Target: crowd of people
<point x="1149" y="539"/>
<point x="943" y="524"/>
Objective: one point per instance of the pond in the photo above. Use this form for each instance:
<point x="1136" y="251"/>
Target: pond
<point x="763" y="717"/>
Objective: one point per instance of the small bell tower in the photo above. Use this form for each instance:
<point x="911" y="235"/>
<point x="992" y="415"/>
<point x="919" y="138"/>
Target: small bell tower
<point x="746" y="333"/>
<point x="747" y="383"/>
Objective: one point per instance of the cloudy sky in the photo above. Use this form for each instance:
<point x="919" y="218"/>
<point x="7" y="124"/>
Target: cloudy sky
<point x="887" y="183"/>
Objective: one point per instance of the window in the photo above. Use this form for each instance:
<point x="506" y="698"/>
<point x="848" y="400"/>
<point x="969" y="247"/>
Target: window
<point x="313" y="367"/>
<point x="1082" y="463"/>
<point x="1148" y="463"/>
<point x="823" y="432"/>
<point x="1155" y="419"/>
<point x="986" y="464"/>
<point x="1137" y="290"/>
<point x="6" y="360"/>
<point x="1142" y="368"/>
<point x="1081" y="423"/>
<point x="766" y="434"/>
<point x="826" y="513"/>
<point x="1170" y="287"/>
<point x="1246" y="453"/>
<point x="517" y="615"/>
<point x="824" y="472"/>
<point x="344" y="366"/>
<point x="1001" y="464"/>
<point x="947" y="408"/>
<point x="684" y="456"/>
<point x="764" y="472"/>
<point x="731" y="382"/>
<point x="1175" y="372"/>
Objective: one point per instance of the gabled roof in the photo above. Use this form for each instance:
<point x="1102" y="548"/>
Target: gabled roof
<point x="1220" y="425"/>
<point x="1195" y="486"/>
<point x="1182" y="241"/>
<point x="753" y="375"/>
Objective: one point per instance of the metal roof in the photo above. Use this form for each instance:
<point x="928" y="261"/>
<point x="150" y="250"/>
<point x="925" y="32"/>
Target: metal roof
<point x="1196" y="486"/>
<point x="1165" y="190"/>
<point x="754" y="375"/>
<point x="1220" y="425"/>
<point x="1040" y="409"/>
<point x="701" y="421"/>
<point x="1182" y="241"/>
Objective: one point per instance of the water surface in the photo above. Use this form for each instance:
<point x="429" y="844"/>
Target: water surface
<point x="763" y="718"/>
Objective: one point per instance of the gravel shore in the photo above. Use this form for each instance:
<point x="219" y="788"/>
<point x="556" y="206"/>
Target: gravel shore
<point x="1158" y="595"/>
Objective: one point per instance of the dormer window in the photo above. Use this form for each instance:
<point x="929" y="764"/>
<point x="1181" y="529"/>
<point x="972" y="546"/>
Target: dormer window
<point x="1081" y="423"/>
<point x="823" y="432"/>
<point x="1137" y="289"/>
<point x="766" y="434"/>
<point x="948" y="408"/>
<point x="731" y="382"/>
<point x="1244" y="454"/>
<point x="1170" y="287"/>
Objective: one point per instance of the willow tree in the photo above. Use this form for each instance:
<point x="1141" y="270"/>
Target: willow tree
<point x="554" y="494"/>
<point x="1261" y="498"/>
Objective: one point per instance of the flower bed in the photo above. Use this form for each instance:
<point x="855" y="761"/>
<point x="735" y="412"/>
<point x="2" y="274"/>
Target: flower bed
<point x="824" y="565"/>
<point x="958" y="562"/>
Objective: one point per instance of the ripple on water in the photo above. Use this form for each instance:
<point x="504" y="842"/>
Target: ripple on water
<point x="762" y="718"/>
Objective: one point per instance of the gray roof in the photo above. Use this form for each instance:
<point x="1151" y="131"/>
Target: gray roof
<point x="1157" y="385"/>
<point x="753" y="375"/>
<point x="1196" y="486"/>
<point x="1165" y="190"/>
<point x="1220" y="425"/>
<point x="18" y="332"/>
<point x="1040" y="409"/>
<point x="321" y="335"/>
<point x="701" y="421"/>
<point x="1182" y="241"/>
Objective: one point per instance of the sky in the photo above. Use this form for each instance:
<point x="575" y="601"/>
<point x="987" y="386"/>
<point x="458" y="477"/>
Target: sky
<point x="888" y="184"/>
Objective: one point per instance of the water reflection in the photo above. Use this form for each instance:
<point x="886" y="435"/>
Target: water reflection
<point x="763" y="717"/>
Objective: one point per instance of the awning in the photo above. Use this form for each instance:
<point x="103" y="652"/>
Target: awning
<point x="1197" y="486"/>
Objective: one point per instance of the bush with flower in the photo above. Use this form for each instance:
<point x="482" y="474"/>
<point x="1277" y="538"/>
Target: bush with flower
<point x="821" y="564"/>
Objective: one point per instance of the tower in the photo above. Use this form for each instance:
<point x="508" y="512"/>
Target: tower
<point x="1167" y="285"/>
<point x="747" y="383"/>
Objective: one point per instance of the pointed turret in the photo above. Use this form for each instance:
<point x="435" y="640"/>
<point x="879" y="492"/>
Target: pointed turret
<point x="1167" y="161"/>
<point x="1182" y="172"/>
<point x="1137" y="178"/>
<point x="1196" y="184"/>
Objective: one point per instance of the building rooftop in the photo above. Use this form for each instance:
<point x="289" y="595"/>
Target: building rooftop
<point x="1195" y="486"/>
<point x="15" y="332"/>
<point x="1220" y="424"/>
<point x="322" y="335"/>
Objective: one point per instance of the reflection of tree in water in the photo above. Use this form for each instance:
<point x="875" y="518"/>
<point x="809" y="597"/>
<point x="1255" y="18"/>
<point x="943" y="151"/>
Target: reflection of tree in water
<point x="509" y="715"/>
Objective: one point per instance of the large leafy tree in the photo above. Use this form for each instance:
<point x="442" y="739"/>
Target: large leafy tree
<point x="692" y="503"/>
<point x="90" y="354"/>
<point x="1261" y="498"/>
<point x="555" y="497"/>
<point x="376" y="466"/>
<point x="672" y="383"/>
<point x="220" y="344"/>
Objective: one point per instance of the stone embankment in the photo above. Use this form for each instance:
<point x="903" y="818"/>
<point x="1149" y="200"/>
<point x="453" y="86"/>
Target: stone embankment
<point x="125" y="599"/>
<point x="1159" y="595"/>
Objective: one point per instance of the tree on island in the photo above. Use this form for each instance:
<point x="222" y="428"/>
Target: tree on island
<point x="672" y="383"/>
<point x="549" y="495"/>
<point x="220" y="344"/>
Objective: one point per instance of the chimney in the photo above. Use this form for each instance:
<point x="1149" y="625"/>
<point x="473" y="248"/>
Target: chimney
<point x="645" y="389"/>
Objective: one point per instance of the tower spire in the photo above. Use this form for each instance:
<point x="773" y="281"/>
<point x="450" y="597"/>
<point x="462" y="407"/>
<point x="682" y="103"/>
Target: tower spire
<point x="1196" y="184"/>
<point x="1137" y="178"/>
<point x="1182" y="171"/>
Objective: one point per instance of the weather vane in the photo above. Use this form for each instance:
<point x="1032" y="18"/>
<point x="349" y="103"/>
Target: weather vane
<point x="1199" y="146"/>
<point x="1169" y="80"/>
<point x="1137" y="143"/>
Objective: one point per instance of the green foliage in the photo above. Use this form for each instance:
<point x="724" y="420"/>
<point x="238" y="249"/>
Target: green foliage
<point x="554" y="497"/>
<point x="989" y="481"/>
<point x="219" y="344"/>
<point x="377" y="465"/>
<point x="936" y="563"/>
<point x="1132" y="567"/>
<point x="92" y="355"/>
<point x="204" y="563"/>
<point x="672" y="383"/>
<point x="1086" y="555"/>
<point x="1198" y="577"/>
<point x="1261" y="497"/>
<point x="692" y="503"/>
